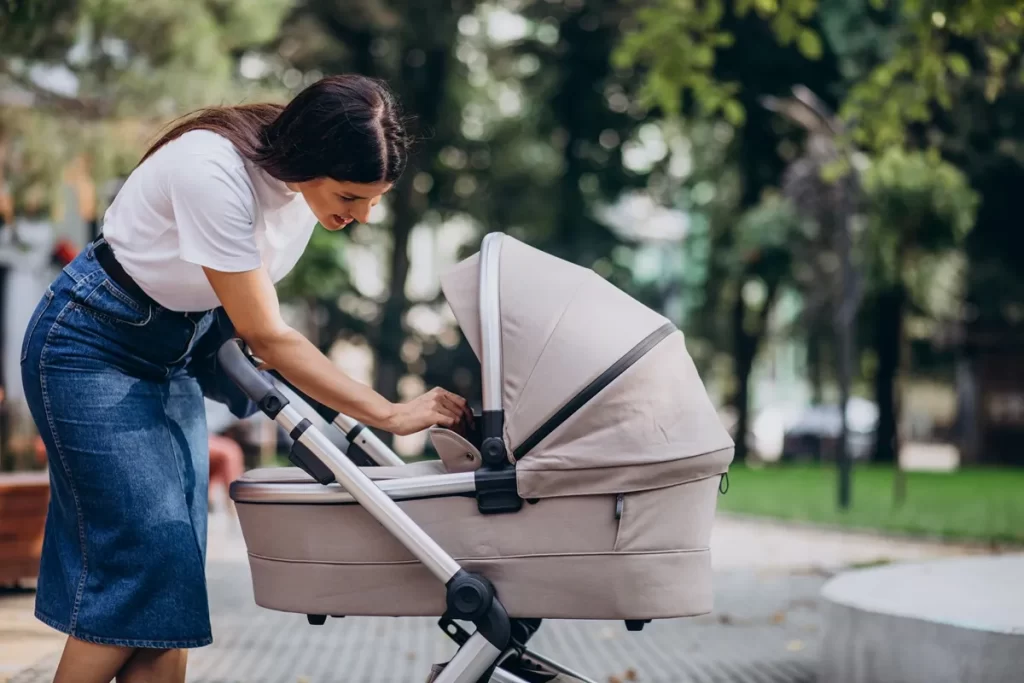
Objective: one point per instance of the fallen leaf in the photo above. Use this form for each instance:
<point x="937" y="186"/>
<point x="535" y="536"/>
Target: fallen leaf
<point x="614" y="679"/>
<point x="795" y="645"/>
<point x="630" y="674"/>
<point x="778" y="618"/>
<point x="724" y="619"/>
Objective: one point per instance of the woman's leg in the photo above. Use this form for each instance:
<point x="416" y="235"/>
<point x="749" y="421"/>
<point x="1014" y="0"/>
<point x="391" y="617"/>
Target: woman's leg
<point x="154" y="666"/>
<point x="84" y="662"/>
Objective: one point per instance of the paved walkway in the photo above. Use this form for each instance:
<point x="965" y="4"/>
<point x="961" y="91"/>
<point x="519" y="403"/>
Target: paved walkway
<point x="764" y="628"/>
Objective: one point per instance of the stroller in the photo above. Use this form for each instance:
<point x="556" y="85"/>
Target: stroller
<point x="588" y="493"/>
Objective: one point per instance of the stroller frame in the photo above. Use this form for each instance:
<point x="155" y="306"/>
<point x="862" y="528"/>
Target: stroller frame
<point x="497" y="650"/>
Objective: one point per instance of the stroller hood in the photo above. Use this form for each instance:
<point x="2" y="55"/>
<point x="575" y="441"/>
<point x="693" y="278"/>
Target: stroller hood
<point x="564" y="331"/>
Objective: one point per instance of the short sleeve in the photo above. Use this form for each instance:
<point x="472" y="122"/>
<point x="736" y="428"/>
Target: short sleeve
<point x="213" y="202"/>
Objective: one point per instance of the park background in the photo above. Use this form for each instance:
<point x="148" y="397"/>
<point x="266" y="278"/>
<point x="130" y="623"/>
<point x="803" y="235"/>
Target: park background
<point x="822" y="194"/>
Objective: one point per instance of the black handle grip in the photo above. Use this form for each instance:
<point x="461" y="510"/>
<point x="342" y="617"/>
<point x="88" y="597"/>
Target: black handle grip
<point x="240" y="369"/>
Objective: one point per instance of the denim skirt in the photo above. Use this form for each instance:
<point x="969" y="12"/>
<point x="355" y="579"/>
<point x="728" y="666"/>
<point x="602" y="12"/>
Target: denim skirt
<point x="115" y="385"/>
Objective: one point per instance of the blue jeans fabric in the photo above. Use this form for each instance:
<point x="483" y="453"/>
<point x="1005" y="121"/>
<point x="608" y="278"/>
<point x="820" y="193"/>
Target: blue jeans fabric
<point x="115" y="386"/>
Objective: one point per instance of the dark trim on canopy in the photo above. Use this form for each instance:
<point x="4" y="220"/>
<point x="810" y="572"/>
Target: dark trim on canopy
<point x="592" y="389"/>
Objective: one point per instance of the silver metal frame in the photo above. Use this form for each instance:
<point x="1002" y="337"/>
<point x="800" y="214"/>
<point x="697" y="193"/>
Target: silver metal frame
<point x="477" y="654"/>
<point x="370" y="442"/>
<point x="396" y="489"/>
<point x="502" y="676"/>
<point x="490" y="320"/>
<point x="470" y="663"/>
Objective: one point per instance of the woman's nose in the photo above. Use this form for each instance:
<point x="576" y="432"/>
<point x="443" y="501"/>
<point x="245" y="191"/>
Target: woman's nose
<point x="361" y="211"/>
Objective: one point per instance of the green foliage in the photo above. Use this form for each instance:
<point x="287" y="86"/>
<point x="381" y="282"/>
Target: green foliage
<point x="321" y="273"/>
<point x="677" y="39"/>
<point x="920" y="211"/>
<point x="917" y="203"/>
<point x="675" y="42"/>
<point x="43" y="28"/>
<point x="766" y="236"/>
<point x="132" y="65"/>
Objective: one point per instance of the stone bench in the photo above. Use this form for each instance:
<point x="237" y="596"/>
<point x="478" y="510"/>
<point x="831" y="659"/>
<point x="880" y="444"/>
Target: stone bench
<point x="943" y="621"/>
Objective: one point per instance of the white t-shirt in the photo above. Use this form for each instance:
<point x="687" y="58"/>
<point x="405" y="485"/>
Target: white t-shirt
<point x="197" y="202"/>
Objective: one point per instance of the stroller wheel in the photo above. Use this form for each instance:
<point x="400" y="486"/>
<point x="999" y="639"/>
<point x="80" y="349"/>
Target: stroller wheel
<point x="316" y="619"/>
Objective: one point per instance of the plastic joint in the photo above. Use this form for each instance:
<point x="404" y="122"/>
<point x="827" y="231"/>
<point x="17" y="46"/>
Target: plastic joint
<point x="497" y="491"/>
<point x="301" y="456"/>
<point x="471" y="597"/>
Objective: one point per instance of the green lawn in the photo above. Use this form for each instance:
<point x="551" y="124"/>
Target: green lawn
<point x="985" y="505"/>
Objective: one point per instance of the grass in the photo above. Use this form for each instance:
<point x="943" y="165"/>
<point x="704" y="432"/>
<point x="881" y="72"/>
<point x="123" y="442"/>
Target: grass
<point x="975" y="505"/>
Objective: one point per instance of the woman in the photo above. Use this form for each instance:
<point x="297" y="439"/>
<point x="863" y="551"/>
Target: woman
<point x="122" y="349"/>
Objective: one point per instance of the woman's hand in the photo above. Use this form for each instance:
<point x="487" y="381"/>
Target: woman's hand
<point x="436" y="407"/>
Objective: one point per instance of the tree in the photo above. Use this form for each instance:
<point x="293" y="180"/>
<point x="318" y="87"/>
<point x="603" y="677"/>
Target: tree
<point x="763" y="263"/>
<point x="94" y="78"/>
<point x="522" y="133"/>
<point x="831" y="280"/>
<point x="411" y="46"/>
<point x="921" y="210"/>
<point x="678" y="43"/>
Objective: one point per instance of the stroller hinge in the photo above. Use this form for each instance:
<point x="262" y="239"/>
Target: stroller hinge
<point x="301" y="456"/>
<point x="453" y="630"/>
<point x="471" y="597"/>
<point x="497" y="491"/>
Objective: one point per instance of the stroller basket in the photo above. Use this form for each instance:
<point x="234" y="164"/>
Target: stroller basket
<point x="588" y="493"/>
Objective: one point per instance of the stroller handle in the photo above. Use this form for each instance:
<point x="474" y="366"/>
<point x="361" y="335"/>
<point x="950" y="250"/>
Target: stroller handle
<point x="241" y="369"/>
<point x="490" y="322"/>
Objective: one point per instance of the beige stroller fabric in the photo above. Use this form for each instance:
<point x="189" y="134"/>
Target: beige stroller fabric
<point x="562" y="326"/>
<point x="621" y="496"/>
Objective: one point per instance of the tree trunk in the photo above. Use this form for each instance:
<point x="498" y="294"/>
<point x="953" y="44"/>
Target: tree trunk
<point x="814" y="365"/>
<point x="887" y="347"/>
<point x="426" y="95"/>
<point x="390" y="334"/>
<point x="745" y="347"/>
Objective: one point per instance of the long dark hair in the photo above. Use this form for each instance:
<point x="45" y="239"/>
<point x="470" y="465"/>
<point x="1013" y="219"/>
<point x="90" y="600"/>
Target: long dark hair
<point x="346" y="127"/>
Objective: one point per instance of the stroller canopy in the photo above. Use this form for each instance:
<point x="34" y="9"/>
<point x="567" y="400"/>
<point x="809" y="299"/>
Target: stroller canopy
<point x="599" y="392"/>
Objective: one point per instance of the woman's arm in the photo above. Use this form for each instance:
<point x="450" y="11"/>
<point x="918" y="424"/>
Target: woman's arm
<point x="250" y="301"/>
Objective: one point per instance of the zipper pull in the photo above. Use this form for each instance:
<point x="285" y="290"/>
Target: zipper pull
<point x="619" y="502"/>
<point x="723" y="484"/>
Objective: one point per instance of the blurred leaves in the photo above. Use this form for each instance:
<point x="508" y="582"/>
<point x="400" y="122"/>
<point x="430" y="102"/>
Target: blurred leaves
<point x="674" y="43"/>
<point x="106" y="73"/>
<point x="919" y="198"/>
<point x="920" y="211"/>
<point x="322" y="272"/>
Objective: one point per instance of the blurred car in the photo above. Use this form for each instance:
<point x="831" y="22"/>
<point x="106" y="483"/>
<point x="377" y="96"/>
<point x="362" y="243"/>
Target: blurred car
<point x="814" y="434"/>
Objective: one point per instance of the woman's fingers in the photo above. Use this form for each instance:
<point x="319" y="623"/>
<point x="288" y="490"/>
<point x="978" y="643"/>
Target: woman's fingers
<point x="448" y="409"/>
<point x="452" y="403"/>
<point x="445" y="419"/>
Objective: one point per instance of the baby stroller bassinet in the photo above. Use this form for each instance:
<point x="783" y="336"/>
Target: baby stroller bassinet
<point x="588" y="493"/>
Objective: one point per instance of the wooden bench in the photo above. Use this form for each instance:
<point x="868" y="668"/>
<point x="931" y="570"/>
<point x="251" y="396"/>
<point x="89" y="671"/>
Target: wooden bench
<point x="24" y="497"/>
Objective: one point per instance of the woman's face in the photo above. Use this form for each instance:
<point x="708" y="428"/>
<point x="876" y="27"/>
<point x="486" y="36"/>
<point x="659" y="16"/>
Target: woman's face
<point x="336" y="203"/>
